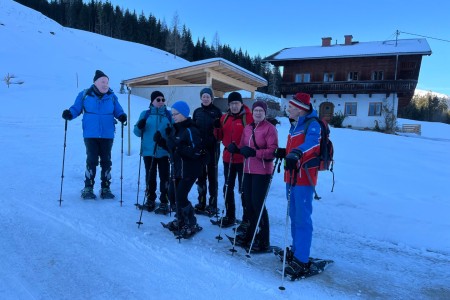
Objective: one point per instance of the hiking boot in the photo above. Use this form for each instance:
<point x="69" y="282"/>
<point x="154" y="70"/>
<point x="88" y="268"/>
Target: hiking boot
<point x="163" y="209"/>
<point x="289" y="254"/>
<point x="260" y="246"/>
<point x="242" y="228"/>
<point x="211" y="210"/>
<point x="88" y="193"/>
<point x="105" y="193"/>
<point x="297" y="268"/>
<point x="148" y="206"/>
<point x="174" y="225"/>
<point x="227" y="222"/>
<point x="242" y="240"/>
<point x="189" y="230"/>
<point x="200" y="207"/>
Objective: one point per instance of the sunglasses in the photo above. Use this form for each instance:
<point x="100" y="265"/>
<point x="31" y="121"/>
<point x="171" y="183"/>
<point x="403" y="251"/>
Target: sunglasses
<point x="159" y="99"/>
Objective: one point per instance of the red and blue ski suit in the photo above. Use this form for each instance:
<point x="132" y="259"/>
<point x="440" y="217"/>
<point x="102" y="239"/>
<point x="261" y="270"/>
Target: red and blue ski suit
<point x="301" y="192"/>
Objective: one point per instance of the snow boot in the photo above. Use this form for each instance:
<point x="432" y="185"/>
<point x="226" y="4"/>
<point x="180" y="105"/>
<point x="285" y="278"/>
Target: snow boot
<point x="105" y="193"/>
<point x="296" y="268"/>
<point x="226" y="222"/>
<point x="289" y="254"/>
<point x="190" y="222"/>
<point x="163" y="209"/>
<point x="148" y="206"/>
<point x="88" y="193"/>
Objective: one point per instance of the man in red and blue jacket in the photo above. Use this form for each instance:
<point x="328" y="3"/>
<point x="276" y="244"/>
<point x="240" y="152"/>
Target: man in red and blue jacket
<point x="300" y="181"/>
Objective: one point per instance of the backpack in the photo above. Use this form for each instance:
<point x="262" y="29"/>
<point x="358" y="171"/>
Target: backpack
<point x="324" y="161"/>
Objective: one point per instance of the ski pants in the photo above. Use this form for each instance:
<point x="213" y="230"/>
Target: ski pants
<point x="300" y="211"/>
<point x="160" y="164"/>
<point x="236" y="169"/>
<point x="254" y="192"/>
<point x="95" y="149"/>
<point x="207" y="180"/>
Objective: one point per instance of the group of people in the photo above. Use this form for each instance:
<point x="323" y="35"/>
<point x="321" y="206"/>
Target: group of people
<point x="185" y="151"/>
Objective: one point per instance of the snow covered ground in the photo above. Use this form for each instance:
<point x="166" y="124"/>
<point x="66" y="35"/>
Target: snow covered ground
<point x="386" y="224"/>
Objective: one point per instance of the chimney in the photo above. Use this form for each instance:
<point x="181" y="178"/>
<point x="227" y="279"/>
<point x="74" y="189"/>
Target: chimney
<point x="348" y="39"/>
<point x="326" y="41"/>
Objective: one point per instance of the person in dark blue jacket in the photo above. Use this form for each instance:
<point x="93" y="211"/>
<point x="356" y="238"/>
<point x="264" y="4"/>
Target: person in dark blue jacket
<point x="99" y="106"/>
<point x="156" y="118"/>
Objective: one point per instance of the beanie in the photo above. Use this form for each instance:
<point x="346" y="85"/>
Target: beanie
<point x="156" y="94"/>
<point x="261" y="104"/>
<point x="301" y="101"/>
<point x="99" y="74"/>
<point x="182" y="107"/>
<point x="207" y="91"/>
<point x="234" y="96"/>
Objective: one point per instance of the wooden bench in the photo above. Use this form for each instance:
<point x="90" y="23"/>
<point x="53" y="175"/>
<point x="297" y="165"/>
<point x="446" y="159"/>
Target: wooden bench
<point x="412" y="128"/>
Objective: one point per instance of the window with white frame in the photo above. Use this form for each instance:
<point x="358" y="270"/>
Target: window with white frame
<point x="375" y="109"/>
<point x="352" y="76"/>
<point x="377" y="75"/>
<point x="302" y="77"/>
<point x="328" y="77"/>
<point x="350" y="108"/>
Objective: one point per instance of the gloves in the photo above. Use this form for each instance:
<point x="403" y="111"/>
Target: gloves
<point x="157" y="137"/>
<point x="280" y="153"/>
<point x="122" y="118"/>
<point x="292" y="159"/>
<point x="141" y="124"/>
<point x="168" y="130"/>
<point x="232" y="148"/>
<point x="67" y="115"/>
<point x="247" y="152"/>
<point x="217" y="123"/>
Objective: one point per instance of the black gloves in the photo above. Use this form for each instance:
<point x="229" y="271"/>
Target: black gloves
<point x="232" y="148"/>
<point x="292" y="159"/>
<point x="280" y="153"/>
<point x="157" y="137"/>
<point x="168" y="130"/>
<point x="247" y="152"/>
<point x="217" y="123"/>
<point x="141" y="124"/>
<point x="67" y="115"/>
<point x="122" y="118"/>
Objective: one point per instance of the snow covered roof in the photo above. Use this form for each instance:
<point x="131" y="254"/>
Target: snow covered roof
<point x="355" y="49"/>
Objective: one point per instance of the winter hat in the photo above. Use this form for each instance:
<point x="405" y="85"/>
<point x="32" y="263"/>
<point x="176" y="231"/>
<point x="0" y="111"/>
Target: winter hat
<point x="182" y="107"/>
<point x="302" y="101"/>
<point x="261" y="104"/>
<point x="99" y="74"/>
<point x="155" y="95"/>
<point x="234" y="96"/>
<point x="207" y="91"/>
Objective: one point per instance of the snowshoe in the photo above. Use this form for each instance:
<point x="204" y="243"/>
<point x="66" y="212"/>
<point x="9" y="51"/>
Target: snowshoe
<point x="105" y="193"/>
<point x="240" y="241"/>
<point x="188" y="231"/>
<point x="315" y="266"/>
<point x="163" y="209"/>
<point x="225" y="222"/>
<point x="242" y="228"/>
<point x="172" y="226"/>
<point x="88" y="193"/>
<point x="148" y="206"/>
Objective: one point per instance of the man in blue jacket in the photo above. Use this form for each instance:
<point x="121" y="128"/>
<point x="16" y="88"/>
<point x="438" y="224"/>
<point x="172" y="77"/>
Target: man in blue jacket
<point x="100" y="106"/>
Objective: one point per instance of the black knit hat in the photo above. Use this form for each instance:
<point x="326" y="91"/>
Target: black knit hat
<point x="155" y="95"/>
<point x="206" y="91"/>
<point x="235" y="96"/>
<point x="99" y="74"/>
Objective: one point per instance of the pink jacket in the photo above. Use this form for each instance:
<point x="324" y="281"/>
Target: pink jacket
<point x="266" y="137"/>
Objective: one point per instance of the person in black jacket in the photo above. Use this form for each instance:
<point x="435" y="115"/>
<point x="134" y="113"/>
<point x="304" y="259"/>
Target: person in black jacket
<point x="204" y="117"/>
<point x="184" y="145"/>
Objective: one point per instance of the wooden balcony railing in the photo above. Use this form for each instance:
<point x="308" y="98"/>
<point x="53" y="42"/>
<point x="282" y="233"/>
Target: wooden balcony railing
<point x="351" y="87"/>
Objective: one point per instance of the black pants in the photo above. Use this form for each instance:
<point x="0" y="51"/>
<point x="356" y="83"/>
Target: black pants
<point x="161" y="165"/>
<point x="254" y="191"/>
<point x="236" y="169"/>
<point x="209" y="174"/>
<point x="179" y="191"/>
<point x="95" y="149"/>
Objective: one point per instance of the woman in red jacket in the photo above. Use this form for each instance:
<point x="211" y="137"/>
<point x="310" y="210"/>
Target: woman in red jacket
<point x="258" y="143"/>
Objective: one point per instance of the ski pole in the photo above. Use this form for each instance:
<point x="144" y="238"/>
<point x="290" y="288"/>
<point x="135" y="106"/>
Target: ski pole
<point x="291" y="184"/>
<point x="225" y="196"/>
<point x="146" y="182"/>
<point x="64" y="158"/>
<point x="139" y="174"/>
<point x="243" y="208"/>
<point x="262" y="208"/>
<point x="216" y="162"/>
<point x="121" y="167"/>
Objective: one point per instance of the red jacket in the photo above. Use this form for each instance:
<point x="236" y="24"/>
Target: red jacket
<point x="309" y="144"/>
<point x="266" y="137"/>
<point x="231" y="131"/>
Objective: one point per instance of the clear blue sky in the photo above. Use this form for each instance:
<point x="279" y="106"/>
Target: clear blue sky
<point x="264" y="27"/>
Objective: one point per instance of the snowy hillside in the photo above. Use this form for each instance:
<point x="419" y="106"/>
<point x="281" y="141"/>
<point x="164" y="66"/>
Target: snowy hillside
<point x="386" y="224"/>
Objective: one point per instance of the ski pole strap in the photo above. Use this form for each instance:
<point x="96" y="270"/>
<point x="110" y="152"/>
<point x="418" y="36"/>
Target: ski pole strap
<point x="316" y="196"/>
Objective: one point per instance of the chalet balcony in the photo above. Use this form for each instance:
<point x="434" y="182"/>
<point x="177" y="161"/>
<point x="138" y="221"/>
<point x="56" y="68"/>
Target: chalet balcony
<point x="351" y="87"/>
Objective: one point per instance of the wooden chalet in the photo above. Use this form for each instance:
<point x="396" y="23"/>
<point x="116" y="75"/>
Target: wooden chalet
<point x="353" y="78"/>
